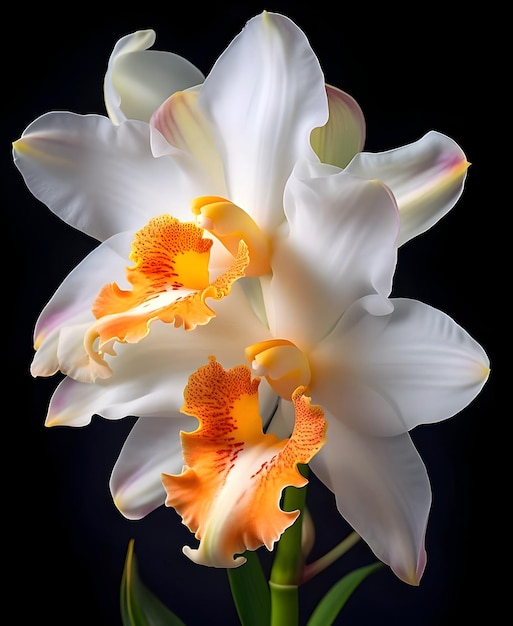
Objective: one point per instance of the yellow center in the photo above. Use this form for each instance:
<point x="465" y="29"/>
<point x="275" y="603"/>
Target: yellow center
<point x="229" y="223"/>
<point x="283" y="364"/>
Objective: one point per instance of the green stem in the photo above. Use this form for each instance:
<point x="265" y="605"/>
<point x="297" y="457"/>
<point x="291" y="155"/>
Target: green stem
<point x="288" y="563"/>
<point x="284" y="605"/>
<point x="330" y="557"/>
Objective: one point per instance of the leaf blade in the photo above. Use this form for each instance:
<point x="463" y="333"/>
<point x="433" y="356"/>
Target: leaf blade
<point x="138" y="605"/>
<point x="250" y="592"/>
<point x="332" y="603"/>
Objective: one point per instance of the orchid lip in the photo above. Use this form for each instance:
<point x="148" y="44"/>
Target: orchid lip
<point x="234" y="474"/>
<point x="170" y="282"/>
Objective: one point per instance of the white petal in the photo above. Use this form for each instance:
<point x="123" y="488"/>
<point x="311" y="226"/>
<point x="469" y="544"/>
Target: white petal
<point x="336" y="388"/>
<point x="183" y="125"/>
<point x="343" y="135"/>
<point x="138" y="80"/>
<point x="148" y="378"/>
<point x="152" y="447"/>
<point x="339" y="384"/>
<point x="425" y="363"/>
<point x="341" y="246"/>
<point x="46" y="361"/>
<point x="426" y="177"/>
<point x="383" y="375"/>
<point x="60" y="328"/>
<point x="265" y="94"/>
<point x="101" y="178"/>
<point x="382" y="490"/>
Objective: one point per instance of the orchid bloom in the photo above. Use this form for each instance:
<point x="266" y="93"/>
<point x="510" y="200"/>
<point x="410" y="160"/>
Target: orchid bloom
<point x="280" y="219"/>
<point x="376" y="367"/>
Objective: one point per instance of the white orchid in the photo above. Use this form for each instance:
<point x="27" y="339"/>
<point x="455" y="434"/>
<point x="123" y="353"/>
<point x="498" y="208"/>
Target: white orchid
<point x="250" y="187"/>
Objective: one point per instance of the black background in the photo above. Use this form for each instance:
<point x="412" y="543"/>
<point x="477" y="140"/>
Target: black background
<point x="410" y="73"/>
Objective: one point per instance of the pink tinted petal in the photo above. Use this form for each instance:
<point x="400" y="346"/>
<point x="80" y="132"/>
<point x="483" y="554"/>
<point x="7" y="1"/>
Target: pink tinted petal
<point x="426" y="177"/>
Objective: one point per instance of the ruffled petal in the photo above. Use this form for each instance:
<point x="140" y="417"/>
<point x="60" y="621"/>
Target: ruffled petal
<point x="101" y="178"/>
<point x="340" y="247"/>
<point x="170" y="283"/>
<point x="138" y="80"/>
<point x="382" y="489"/>
<point x="152" y="447"/>
<point x="343" y="135"/>
<point x="61" y="327"/>
<point x="148" y="378"/>
<point x="426" y="177"/>
<point x="229" y="493"/>
<point x="265" y="95"/>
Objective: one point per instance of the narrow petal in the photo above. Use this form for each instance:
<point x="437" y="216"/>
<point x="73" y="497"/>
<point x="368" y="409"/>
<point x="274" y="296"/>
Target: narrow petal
<point x="148" y="378"/>
<point x="101" y="178"/>
<point x="138" y="80"/>
<point x="152" y="447"/>
<point x="382" y="490"/>
<point x="426" y="177"/>
<point x="264" y="95"/>
<point x="340" y="247"/>
<point x="229" y="494"/>
<point x="343" y="135"/>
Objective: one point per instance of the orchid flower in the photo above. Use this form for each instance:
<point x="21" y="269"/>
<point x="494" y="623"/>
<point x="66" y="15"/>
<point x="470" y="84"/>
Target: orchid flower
<point x="377" y="368"/>
<point x="250" y="188"/>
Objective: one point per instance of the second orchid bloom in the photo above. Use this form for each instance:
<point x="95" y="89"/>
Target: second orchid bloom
<point x="263" y="243"/>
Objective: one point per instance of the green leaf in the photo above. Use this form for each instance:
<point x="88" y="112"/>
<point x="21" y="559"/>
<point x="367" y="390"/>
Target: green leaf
<point x="330" y="606"/>
<point x="139" y="607"/>
<point x="250" y="592"/>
